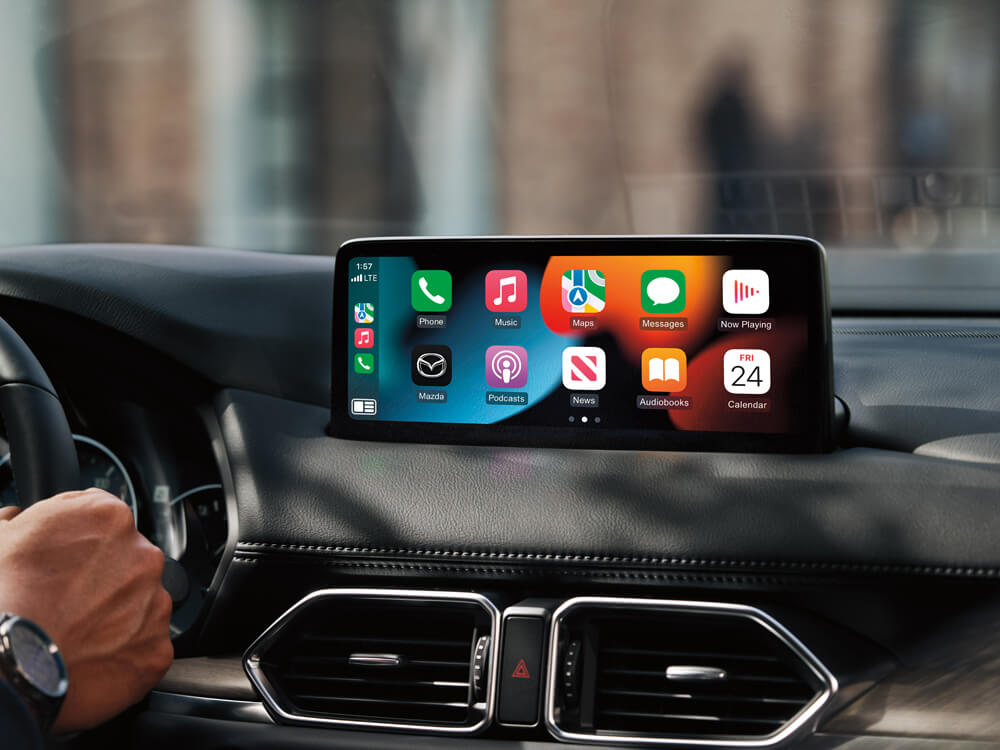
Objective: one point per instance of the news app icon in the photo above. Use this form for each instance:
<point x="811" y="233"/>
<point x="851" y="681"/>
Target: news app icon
<point x="747" y="371"/>
<point x="506" y="367"/>
<point x="745" y="292"/>
<point x="664" y="370"/>
<point x="364" y="313"/>
<point x="364" y="338"/>
<point x="584" y="368"/>
<point x="506" y="291"/>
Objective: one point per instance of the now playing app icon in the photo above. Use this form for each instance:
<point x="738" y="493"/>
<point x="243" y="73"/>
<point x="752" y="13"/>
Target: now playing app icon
<point x="745" y="292"/>
<point x="584" y="368"/>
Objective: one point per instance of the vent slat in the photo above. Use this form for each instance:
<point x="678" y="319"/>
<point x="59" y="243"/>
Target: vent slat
<point x="695" y="718"/>
<point x="343" y="660"/>
<point x="388" y="701"/>
<point x="370" y="681"/>
<point x="658" y="673"/>
<point x="317" y="638"/>
<point x="696" y="656"/>
<point x="700" y="697"/>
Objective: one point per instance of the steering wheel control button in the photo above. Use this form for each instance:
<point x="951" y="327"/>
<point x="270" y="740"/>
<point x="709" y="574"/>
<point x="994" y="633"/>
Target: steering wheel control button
<point x="520" y="670"/>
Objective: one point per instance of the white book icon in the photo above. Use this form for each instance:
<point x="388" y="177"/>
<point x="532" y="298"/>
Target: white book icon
<point x="664" y="369"/>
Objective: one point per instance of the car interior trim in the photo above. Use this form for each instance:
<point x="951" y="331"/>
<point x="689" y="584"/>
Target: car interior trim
<point x="208" y="708"/>
<point x="499" y="557"/>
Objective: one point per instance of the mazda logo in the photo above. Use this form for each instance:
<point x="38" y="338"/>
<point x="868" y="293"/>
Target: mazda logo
<point x="432" y="365"/>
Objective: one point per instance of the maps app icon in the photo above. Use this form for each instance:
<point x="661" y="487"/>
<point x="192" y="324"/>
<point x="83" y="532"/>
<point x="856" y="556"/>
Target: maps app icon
<point x="583" y="291"/>
<point x="364" y="312"/>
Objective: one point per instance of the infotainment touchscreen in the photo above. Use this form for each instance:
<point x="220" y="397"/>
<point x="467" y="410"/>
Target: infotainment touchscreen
<point x="708" y="343"/>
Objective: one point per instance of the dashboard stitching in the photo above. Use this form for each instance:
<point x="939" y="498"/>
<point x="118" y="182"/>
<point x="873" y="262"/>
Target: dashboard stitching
<point x="971" y="333"/>
<point x="618" y="574"/>
<point x="961" y="571"/>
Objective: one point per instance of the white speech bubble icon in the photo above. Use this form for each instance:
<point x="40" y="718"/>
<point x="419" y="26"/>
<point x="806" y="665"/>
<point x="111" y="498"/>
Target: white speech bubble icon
<point x="663" y="290"/>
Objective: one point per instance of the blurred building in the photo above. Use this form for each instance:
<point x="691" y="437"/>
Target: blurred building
<point x="292" y="125"/>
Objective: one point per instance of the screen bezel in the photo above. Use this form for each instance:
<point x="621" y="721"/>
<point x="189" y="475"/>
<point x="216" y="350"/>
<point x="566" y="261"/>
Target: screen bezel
<point x="511" y="249"/>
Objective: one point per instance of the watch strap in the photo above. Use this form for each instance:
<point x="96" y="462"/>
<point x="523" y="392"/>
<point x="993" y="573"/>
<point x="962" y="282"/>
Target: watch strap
<point x="44" y="706"/>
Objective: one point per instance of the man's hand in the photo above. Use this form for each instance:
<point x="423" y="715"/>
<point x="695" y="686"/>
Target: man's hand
<point x="76" y="565"/>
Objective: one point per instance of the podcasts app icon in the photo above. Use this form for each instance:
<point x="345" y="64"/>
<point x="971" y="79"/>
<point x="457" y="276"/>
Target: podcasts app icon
<point x="506" y="366"/>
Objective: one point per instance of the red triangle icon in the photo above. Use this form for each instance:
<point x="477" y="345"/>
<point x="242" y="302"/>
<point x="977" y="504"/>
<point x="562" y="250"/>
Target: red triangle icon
<point x="521" y="671"/>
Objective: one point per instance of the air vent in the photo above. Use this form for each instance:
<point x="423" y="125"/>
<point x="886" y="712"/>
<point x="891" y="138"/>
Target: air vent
<point x="414" y="660"/>
<point x="685" y="673"/>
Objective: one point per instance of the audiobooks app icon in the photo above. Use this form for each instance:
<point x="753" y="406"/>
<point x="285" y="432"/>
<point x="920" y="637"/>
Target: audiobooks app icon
<point x="664" y="370"/>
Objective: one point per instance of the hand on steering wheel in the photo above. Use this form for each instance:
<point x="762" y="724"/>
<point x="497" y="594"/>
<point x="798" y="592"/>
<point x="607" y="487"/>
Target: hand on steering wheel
<point x="75" y="564"/>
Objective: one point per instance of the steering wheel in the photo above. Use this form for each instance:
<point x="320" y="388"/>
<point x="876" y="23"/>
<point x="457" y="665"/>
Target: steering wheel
<point x="42" y="452"/>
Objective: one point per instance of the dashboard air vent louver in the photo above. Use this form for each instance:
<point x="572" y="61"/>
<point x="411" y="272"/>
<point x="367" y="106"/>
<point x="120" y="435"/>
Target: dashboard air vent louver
<point x="648" y="671"/>
<point x="399" y="659"/>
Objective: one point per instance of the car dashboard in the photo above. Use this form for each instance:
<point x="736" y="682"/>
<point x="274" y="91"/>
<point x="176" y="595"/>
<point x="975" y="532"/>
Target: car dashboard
<point x="589" y="597"/>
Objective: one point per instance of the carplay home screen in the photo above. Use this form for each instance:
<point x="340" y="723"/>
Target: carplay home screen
<point x="656" y="342"/>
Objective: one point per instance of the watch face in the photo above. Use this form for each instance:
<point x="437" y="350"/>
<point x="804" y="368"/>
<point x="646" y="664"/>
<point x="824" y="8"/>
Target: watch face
<point x="35" y="660"/>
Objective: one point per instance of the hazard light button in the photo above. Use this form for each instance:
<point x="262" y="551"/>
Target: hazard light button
<point x="520" y="670"/>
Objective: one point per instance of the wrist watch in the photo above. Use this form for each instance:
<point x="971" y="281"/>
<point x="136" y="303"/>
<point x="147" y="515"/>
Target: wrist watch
<point x="31" y="664"/>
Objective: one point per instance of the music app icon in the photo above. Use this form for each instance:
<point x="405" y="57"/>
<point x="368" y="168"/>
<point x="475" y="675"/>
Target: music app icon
<point x="364" y="338"/>
<point x="506" y="291"/>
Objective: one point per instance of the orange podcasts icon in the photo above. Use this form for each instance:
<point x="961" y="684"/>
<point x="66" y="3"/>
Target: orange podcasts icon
<point x="664" y="370"/>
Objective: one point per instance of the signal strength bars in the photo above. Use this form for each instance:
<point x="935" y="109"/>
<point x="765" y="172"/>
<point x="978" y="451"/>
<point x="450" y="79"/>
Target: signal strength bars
<point x="359" y="277"/>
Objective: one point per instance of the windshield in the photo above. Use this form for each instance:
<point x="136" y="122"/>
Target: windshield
<point x="292" y="126"/>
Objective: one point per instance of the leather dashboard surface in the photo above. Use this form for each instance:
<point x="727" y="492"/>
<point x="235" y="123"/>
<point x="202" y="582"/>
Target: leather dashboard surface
<point x="858" y="509"/>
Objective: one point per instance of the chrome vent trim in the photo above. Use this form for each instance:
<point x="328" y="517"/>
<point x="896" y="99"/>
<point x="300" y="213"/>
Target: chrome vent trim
<point x="254" y="667"/>
<point x="803" y="721"/>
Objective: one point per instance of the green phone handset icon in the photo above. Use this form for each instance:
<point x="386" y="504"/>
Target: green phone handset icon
<point x="430" y="291"/>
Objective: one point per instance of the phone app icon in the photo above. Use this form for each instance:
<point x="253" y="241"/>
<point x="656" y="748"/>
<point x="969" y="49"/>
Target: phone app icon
<point x="506" y="291"/>
<point x="364" y="338"/>
<point x="430" y="291"/>
<point x="364" y="313"/>
<point x="583" y="291"/>
<point x="506" y="367"/>
<point x="663" y="292"/>
<point x="584" y="368"/>
<point x="745" y="292"/>
<point x="431" y="365"/>
<point x="364" y="363"/>
<point x="747" y="371"/>
<point x="664" y="370"/>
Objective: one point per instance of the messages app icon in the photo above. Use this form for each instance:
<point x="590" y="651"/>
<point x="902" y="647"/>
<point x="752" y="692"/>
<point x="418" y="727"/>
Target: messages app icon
<point x="663" y="291"/>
